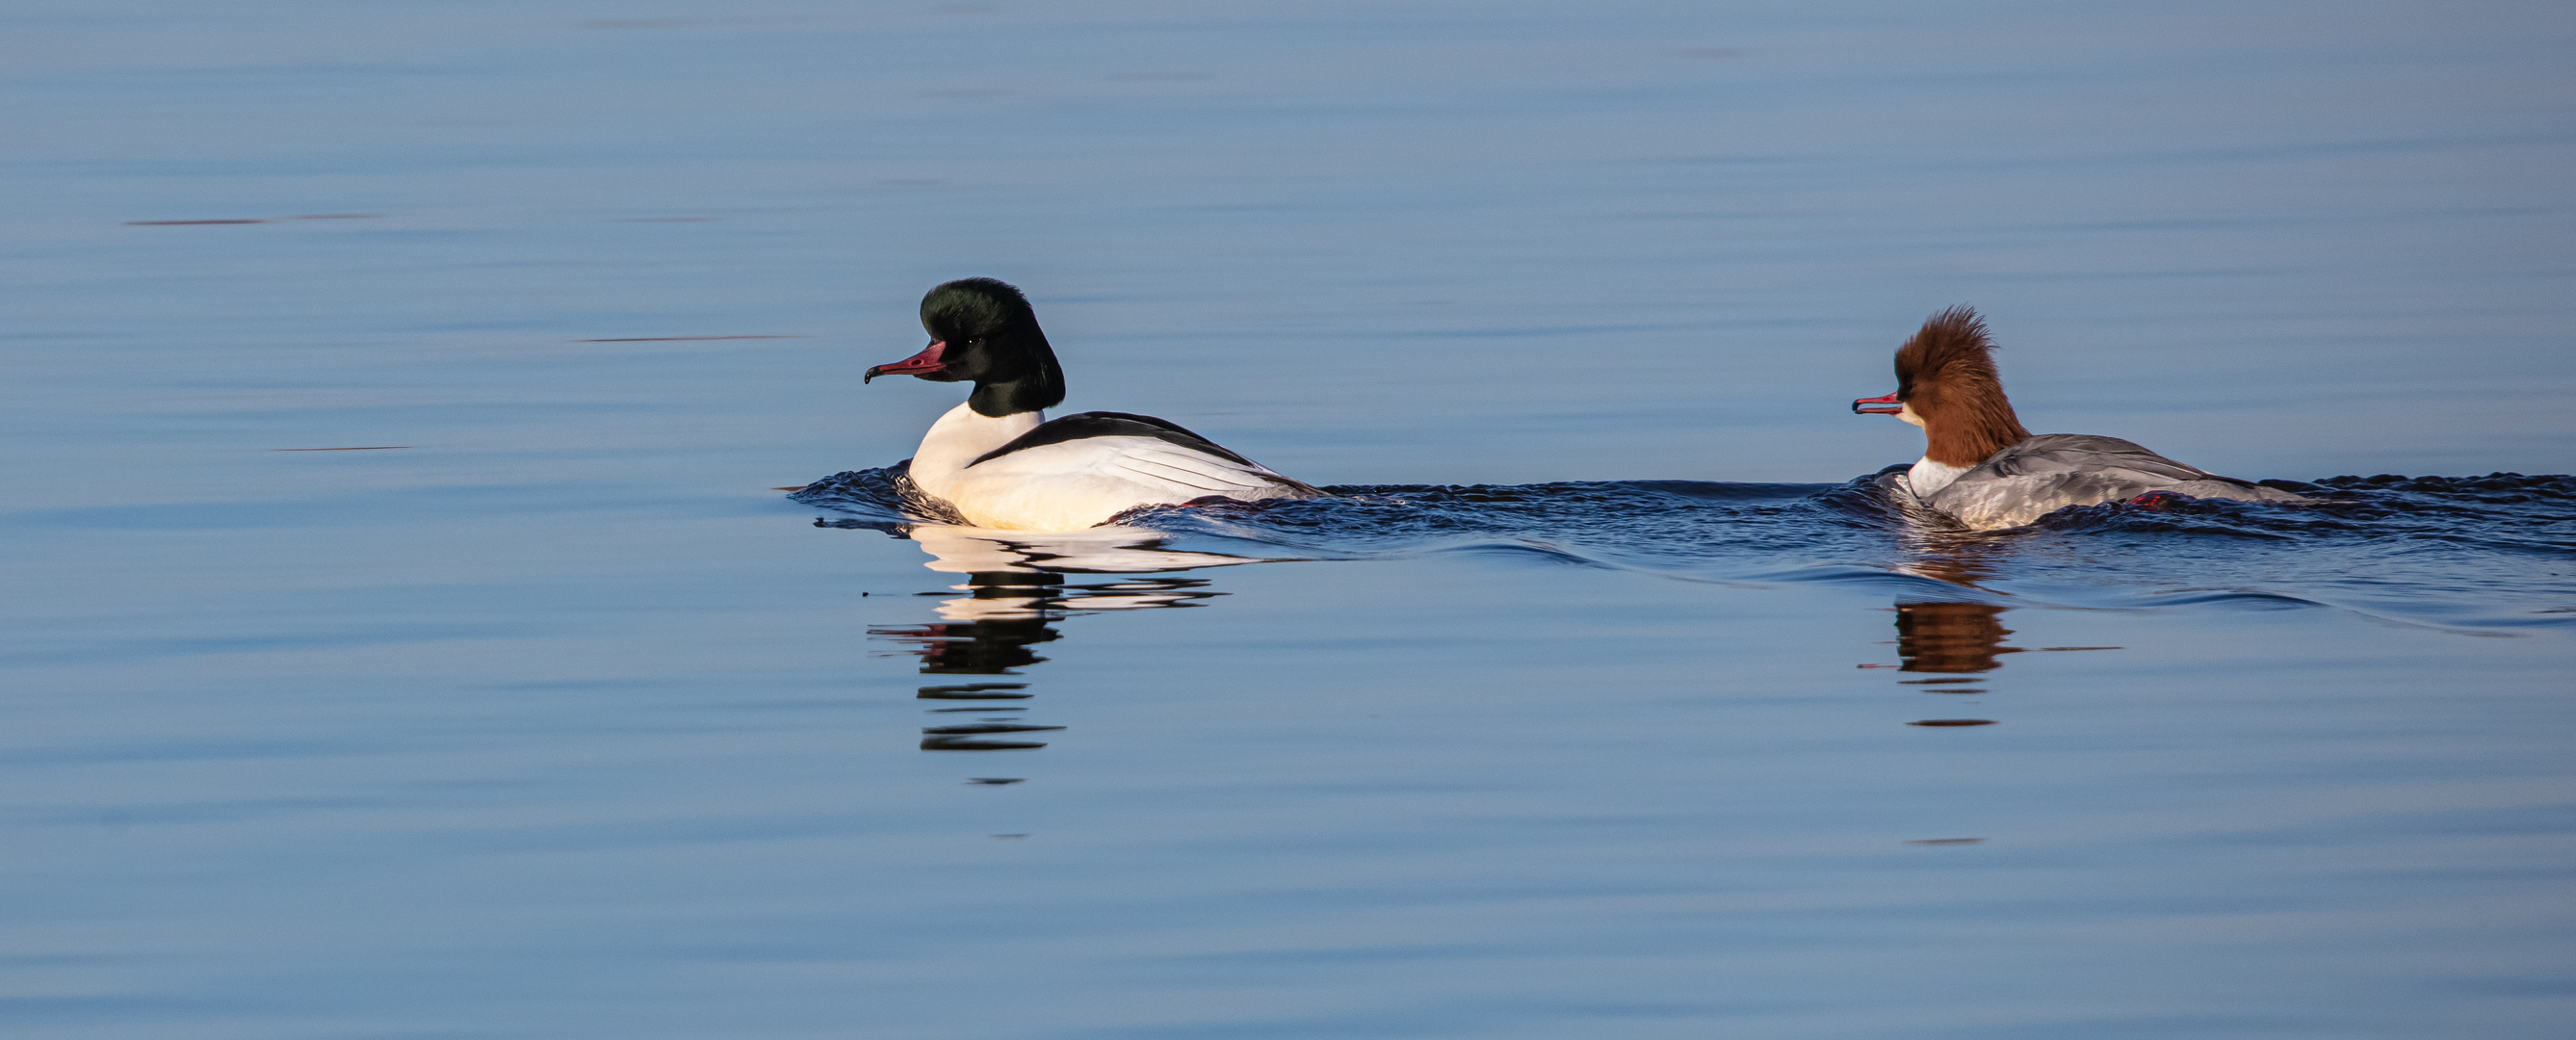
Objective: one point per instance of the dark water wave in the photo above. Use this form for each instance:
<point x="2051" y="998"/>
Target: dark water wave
<point x="2489" y="552"/>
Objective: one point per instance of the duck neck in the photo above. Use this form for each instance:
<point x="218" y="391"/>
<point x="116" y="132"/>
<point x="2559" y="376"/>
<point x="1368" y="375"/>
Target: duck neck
<point x="1037" y="391"/>
<point x="959" y="438"/>
<point x="1964" y="437"/>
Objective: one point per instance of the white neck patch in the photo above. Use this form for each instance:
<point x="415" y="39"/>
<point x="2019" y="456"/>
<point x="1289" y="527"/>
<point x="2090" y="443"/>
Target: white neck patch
<point x="1928" y="477"/>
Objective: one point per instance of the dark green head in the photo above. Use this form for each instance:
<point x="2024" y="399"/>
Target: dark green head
<point x="983" y="331"/>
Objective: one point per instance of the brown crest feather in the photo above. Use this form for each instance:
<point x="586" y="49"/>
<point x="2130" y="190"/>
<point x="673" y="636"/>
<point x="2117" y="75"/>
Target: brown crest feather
<point x="1947" y="375"/>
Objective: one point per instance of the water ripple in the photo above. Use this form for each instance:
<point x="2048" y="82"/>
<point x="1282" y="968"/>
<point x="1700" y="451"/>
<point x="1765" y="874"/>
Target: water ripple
<point x="2497" y="551"/>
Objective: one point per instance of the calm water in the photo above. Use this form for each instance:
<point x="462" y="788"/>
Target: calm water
<point x="1611" y="700"/>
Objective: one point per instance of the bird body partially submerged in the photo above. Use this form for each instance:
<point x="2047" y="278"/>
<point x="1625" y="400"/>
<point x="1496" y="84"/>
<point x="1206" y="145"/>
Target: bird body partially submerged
<point x="2049" y="472"/>
<point x="1981" y="468"/>
<point x="1019" y="472"/>
<point x="996" y="461"/>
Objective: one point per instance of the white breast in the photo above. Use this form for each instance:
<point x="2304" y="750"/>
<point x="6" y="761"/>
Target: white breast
<point x="958" y="438"/>
<point x="1927" y="478"/>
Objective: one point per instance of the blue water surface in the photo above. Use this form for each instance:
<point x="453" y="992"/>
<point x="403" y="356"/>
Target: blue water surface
<point x="1608" y="698"/>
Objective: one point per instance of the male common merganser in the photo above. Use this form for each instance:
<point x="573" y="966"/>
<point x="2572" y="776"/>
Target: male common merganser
<point x="999" y="463"/>
<point x="1983" y="469"/>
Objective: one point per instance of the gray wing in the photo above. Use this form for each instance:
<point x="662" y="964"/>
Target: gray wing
<point x="2113" y="458"/>
<point x="2127" y="464"/>
<point x="2045" y="473"/>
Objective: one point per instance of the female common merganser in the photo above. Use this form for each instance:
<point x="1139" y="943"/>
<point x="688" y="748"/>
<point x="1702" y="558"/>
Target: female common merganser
<point x="996" y="460"/>
<point x="1983" y="469"/>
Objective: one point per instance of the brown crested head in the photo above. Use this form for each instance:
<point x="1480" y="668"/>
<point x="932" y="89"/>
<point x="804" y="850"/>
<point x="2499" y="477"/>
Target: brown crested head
<point x="1946" y="376"/>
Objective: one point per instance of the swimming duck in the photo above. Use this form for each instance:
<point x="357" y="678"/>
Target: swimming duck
<point x="1984" y="470"/>
<point x="998" y="462"/>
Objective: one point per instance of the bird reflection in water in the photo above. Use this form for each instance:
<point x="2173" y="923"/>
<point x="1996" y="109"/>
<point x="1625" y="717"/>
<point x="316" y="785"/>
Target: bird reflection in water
<point x="1016" y="593"/>
<point x="1955" y="643"/>
<point x="1952" y="638"/>
<point x="1951" y="641"/>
